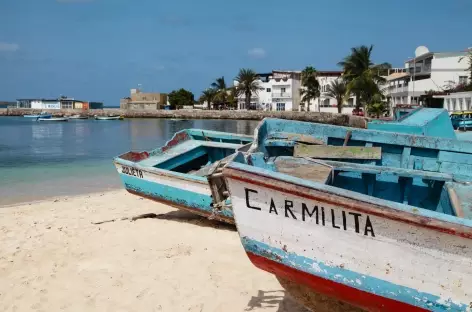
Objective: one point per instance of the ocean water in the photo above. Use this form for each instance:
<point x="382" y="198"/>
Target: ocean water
<point x="42" y="160"/>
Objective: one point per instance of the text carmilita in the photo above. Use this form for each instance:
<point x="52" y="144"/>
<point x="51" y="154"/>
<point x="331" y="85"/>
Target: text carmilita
<point x="319" y="214"/>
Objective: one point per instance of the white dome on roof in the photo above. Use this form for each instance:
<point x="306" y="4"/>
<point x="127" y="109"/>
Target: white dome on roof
<point x="421" y="50"/>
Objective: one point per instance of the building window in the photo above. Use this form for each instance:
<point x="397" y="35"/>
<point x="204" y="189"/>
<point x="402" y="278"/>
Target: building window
<point x="268" y="90"/>
<point x="453" y="103"/>
<point x="282" y="90"/>
<point x="448" y="105"/>
<point x="468" y="104"/>
<point x="280" y="106"/>
<point x="462" y="80"/>
<point x="461" y="102"/>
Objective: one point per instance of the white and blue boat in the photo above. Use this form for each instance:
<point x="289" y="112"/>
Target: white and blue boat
<point x="40" y="115"/>
<point x="381" y="220"/>
<point x="175" y="174"/>
<point x="462" y="120"/>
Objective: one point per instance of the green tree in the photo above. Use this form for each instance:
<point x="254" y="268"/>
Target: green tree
<point x="221" y="90"/>
<point x="208" y="95"/>
<point x="180" y="98"/>
<point x="247" y="84"/>
<point x="469" y="60"/>
<point x="310" y="86"/>
<point x="338" y="90"/>
<point x="362" y="76"/>
<point x="377" y="107"/>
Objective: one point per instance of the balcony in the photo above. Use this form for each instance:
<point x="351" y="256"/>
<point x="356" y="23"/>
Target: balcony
<point x="282" y="95"/>
<point x="396" y="89"/>
<point x="420" y="69"/>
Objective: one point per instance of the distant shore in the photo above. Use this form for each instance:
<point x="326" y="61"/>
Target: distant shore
<point x="326" y="118"/>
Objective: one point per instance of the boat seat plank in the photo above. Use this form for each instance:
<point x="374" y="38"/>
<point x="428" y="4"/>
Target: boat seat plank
<point x="362" y="168"/>
<point x="460" y="196"/>
<point x="312" y="171"/>
<point x="445" y="156"/>
<point x="337" y="152"/>
<point x="297" y="137"/>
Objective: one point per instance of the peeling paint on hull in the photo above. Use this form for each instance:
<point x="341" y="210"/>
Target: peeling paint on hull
<point x="383" y="264"/>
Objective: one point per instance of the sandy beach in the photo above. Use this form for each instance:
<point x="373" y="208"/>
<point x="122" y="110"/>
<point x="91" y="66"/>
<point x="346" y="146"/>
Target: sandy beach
<point x="53" y="258"/>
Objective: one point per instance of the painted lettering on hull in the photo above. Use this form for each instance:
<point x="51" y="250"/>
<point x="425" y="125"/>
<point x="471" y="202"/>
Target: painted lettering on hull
<point x="132" y="171"/>
<point x="339" y="219"/>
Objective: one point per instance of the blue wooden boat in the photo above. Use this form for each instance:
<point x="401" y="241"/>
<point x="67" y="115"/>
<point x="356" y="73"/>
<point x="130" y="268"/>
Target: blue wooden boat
<point x="462" y="120"/>
<point x="419" y="121"/>
<point x="376" y="219"/>
<point x="40" y="115"/>
<point x="175" y="174"/>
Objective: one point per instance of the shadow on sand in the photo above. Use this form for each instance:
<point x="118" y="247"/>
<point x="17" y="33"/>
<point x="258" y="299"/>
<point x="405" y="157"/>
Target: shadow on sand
<point x="188" y="217"/>
<point x="274" y="299"/>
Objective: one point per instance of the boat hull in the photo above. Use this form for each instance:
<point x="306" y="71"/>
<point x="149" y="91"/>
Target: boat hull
<point x="363" y="252"/>
<point x="54" y="119"/>
<point x="109" y="118"/>
<point x="182" y="191"/>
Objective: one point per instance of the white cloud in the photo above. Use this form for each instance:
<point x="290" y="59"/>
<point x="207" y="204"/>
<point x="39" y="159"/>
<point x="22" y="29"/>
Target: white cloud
<point x="8" y="47"/>
<point x="257" y="53"/>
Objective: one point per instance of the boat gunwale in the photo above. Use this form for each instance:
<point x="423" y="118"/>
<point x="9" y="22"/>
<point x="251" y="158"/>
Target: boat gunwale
<point x="383" y="208"/>
<point x="367" y="135"/>
<point x="162" y="172"/>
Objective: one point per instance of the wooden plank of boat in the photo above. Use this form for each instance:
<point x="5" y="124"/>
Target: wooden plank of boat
<point x="297" y="137"/>
<point x="372" y="253"/>
<point x="337" y="152"/>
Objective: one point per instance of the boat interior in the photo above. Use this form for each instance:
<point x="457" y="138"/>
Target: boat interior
<point x="427" y="172"/>
<point x="191" y="151"/>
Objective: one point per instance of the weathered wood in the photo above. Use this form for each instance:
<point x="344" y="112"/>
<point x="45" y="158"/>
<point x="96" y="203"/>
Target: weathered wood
<point x="313" y="172"/>
<point x="297" y="137"/>
<point x="337" y="152"/>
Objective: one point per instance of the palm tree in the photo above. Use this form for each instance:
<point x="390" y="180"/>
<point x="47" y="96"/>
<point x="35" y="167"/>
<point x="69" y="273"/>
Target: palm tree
<point x="221" y="90"/>
<point x="310" y="86"/>
<point x="208" y="95"/>
<point x="247" y="84"/>
<point x="361" y="74"/>
<point x="469" y="59"/>
<point x="377" y="106"/>
<point x="338" y="90"/>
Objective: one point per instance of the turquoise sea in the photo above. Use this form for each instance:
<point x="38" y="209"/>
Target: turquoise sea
<point x="41" y="160"/>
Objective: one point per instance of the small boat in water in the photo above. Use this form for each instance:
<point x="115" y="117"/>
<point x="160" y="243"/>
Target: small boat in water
<point x="381" y="220"/>
<point x="175" y="174"/>
<point x="108" y="117"/>
<point x="462" y="120"/>
<point x="40" y="115"/>
<point x="74" y="117"/>
<point x="56" y="119"/>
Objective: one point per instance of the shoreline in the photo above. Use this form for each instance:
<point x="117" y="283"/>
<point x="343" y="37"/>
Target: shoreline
<point x="325" y="118"/>
<point x="54" y="258"/>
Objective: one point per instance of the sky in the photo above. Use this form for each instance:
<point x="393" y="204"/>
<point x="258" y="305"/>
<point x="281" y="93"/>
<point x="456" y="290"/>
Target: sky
<point x="97" y="50"/>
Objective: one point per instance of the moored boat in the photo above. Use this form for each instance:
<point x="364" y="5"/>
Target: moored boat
<point x="380" y="220"/>
<point x="175" y="174"/>
<point x="108" y="117"/>
<point x="462" y="120"/>
<point x="56" y="119"/>
<point x="78" y="117"/>
<point x="43" y="115"/>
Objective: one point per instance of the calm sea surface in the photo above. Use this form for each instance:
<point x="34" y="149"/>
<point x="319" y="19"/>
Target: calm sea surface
<point x="40" y="160"/>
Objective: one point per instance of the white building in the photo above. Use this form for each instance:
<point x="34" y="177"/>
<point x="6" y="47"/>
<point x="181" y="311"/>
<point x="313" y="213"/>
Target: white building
<point x="38" y="103"/>
<point x="427" y="71"/>
<point x="459" y="101"/>
<point x="280" y="91"/>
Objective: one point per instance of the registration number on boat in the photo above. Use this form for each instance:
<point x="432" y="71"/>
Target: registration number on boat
<point x="132" y="172"/>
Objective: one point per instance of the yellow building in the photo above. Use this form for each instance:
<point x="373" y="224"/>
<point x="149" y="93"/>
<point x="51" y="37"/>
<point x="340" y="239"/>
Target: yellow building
<point x="144" y="101"/>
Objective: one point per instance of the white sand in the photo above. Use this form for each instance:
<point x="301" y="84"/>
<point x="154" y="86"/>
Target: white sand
<point x="53" y="259"/>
